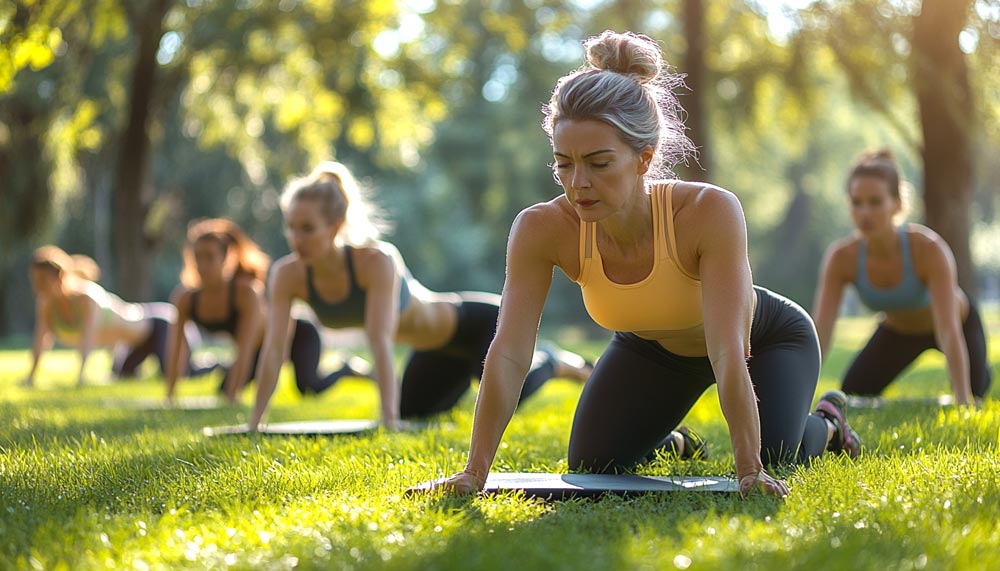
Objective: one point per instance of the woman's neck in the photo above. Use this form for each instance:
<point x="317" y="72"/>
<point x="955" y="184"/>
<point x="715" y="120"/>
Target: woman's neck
<point x="884" y="242"/>
<point x="632" y="226"/>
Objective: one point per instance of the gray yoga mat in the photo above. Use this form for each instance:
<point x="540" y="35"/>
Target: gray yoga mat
<point x="561" y="486"/>
<point x="298" y="428"/>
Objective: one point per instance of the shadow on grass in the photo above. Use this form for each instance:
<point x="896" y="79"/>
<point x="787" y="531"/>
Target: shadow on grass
<point x="577" y="533"/>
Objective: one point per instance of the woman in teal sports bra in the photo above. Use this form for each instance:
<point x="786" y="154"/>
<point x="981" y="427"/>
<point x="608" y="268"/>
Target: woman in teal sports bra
<point x="73" y="308"/>
<point x="350" y="278"/>
<point x="907" y="273"/>
<point x="222" y="291"/>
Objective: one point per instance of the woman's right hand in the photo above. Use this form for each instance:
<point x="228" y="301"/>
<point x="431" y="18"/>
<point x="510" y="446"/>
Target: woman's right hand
<point x="464" y="482"/>
<point x="763" y="482"/>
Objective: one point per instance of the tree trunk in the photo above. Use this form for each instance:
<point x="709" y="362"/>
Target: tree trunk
<point x="131" y="195"/>
<point x="697" y="80"/>
<point x="945" y="101"/>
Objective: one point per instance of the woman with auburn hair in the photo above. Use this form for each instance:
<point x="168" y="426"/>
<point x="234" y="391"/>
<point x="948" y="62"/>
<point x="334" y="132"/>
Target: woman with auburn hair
<point x="907" y="273"/>
<point x="74" y="309"/>
<point x="663" y="263"/>
<point x="350" y="278"/>
<point x="222" y="291"/>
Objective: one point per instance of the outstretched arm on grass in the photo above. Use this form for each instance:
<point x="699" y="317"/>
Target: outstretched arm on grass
<point x="272" y="354"/>
<point x="42" y="341"/>
<point x="529" y="276"/>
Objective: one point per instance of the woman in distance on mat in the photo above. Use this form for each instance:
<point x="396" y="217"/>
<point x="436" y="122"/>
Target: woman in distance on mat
<point x="906" y="272"/>
<point x="71" y="307"/>
<point x="663" y="264"/>
<point x="350" y="278"/>
<point x="222" y="291"/>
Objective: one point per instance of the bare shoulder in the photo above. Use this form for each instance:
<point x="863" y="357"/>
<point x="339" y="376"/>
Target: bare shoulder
<point x="549" y="218"/>
<point x="378" y="256"/>
<point x="931" y="254"/>
<point x="181" y="296"/>
<point x="288" y="275"/>
<point x="923" y="238"/>
<point x="841" y="257"/>
<point x="704" y="202"/>
<point x="248" y="288"/>
<point x="843" y="249"/>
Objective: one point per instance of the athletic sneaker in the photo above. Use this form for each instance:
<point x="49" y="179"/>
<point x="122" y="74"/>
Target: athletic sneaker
<point x="833" y="406"/>
<point x="695" y="447"/>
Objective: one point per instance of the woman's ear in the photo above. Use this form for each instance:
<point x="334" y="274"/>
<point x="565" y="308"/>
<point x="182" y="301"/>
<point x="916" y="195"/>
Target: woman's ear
<point x="645" y="159"/>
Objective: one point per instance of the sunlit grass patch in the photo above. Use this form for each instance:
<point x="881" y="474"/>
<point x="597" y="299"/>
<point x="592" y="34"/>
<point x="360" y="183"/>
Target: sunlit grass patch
<point x="85" y="484"/>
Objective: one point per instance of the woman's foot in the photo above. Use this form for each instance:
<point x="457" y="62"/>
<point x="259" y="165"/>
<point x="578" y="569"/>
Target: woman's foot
<point x="832" y="406"/>
<point x="683" y="442"/>
<point x="568" y="365"/>
<point x="692" y="445"/>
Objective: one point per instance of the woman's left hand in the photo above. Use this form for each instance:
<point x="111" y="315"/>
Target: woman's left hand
<point x="763" y="482"/>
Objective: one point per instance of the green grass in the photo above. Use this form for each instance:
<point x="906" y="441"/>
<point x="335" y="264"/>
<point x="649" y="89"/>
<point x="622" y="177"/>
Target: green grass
<point x="85" y="485"/>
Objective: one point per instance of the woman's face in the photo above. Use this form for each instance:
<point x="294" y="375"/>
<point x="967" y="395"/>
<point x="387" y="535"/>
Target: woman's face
<point x="597" y="170"/>
<point x="44" y="282"/>
<point x="873" y="206"/>
<point x="308" y="232"/>
<point x="209" y="259"/>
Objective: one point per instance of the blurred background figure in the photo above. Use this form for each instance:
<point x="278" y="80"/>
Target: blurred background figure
<point x="74" y="310"/>
<point x="222" y="291"/>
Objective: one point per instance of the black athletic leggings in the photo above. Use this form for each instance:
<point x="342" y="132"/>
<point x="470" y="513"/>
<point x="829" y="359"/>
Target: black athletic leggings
<point x="889" y="352"/>
<point x="126" y="364"/>
<point x="639" y="392"/>
<point x="434" y="381"/>
<point x="304" y="354"/>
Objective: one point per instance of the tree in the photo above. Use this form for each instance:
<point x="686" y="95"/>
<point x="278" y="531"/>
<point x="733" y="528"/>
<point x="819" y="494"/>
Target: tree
<point x="947" y="118"/>
<point x="898" y="59"/>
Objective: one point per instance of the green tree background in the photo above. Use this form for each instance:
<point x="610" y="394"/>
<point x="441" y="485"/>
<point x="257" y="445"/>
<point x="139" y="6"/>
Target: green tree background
<point x="120" y="120"/>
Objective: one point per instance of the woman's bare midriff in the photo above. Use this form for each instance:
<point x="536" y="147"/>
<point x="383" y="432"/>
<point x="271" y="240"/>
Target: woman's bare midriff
<point x="428" y="324"/>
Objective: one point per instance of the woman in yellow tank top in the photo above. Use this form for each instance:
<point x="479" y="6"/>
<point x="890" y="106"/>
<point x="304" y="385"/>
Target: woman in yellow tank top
<point x="664" y="265"/>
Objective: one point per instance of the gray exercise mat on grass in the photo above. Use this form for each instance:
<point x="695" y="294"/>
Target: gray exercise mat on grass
<point x="298" y="428"/>
<point x="561" y="486"/>
<point x="854" y="401"/>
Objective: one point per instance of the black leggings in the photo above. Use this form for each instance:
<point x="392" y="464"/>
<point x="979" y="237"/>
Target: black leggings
<point x="639" y="392"/>
<point x="126" y="364"/>
<point x="889" y="352"/>
<point x="434" y="381"/>
<point x="304" y="354"/>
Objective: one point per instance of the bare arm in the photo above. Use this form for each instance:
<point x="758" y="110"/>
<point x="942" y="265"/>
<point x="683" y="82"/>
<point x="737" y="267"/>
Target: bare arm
<point x="529" y="276"/>
<point x="381" y="322"/>
<point x="249" y="324"/>
<point x="727" y="307"/>
<point x="942" y="283"/>
<point x="90" y="317"/>
<point x="829" y="292"/>
<point x="177" y="341"/>
<point x="42" y="341"/>
<point x="272" y="354"/>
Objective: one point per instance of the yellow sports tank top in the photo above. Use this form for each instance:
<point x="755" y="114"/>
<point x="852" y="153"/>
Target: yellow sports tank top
<point x="668" y="299"/>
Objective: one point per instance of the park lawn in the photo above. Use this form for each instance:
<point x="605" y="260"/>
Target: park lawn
<point x="87" y="483"/>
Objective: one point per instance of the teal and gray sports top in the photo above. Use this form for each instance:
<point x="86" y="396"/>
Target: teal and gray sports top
<point x="349" y="312"/>
<point x="909" y="294"/>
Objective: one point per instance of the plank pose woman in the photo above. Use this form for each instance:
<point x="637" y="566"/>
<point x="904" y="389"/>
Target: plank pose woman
<point x="222" y="291"/>
<point x="663" y="263"/>
<point x="71" y="307"/>
<point x="350" y="278"/>
<point x="906" y="272"/>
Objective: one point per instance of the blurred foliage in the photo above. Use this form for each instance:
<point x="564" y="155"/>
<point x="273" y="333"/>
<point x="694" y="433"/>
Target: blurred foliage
<point x="436" y="106"/>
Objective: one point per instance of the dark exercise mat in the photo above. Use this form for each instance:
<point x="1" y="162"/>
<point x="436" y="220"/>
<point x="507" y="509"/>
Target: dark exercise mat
<point x="298" y="428"/>
<point x="561" y="486"/>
